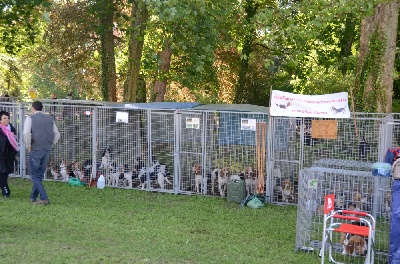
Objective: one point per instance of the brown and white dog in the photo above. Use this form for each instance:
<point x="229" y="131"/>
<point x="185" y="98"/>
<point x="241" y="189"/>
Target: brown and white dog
<point x="77" y="170"/>
<point x="197" y="171"/>
<point x="223" y="177"/>
<point x="287" y="190"/>
<point x="353" y="243"/>
<point x="53" y="171"/>
<point x="251" y="180"/>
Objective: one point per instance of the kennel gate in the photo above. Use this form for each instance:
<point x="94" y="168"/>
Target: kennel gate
<point x="228" y="140"/>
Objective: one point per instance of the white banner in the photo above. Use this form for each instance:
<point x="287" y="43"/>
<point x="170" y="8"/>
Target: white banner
<point x="298" y="105"/>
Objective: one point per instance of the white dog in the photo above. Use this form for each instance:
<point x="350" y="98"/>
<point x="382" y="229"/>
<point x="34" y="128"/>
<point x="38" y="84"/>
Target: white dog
<point x="161" y="179"/>
<point x="63" y="171"/>
<point x="114" y="177"/>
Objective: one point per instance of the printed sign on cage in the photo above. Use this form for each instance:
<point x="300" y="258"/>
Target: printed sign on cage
<point x="248" y="124"/>
<point x="299" y="105"/>
<point x="193" y="123"/>
<point x="122" y="117"/>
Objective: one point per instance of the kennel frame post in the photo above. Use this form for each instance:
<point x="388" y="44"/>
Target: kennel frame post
<point x="22" y="153"/>
<point x="203" y="150"/>
<point x="269" y="180"/>
<point x="94" y="145"/>
<point x="177" y="147"/>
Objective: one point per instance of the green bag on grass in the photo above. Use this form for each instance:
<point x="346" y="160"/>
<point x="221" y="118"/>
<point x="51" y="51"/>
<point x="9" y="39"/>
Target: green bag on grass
<point x="76" y="182"/>
<point x="255" y="203"/>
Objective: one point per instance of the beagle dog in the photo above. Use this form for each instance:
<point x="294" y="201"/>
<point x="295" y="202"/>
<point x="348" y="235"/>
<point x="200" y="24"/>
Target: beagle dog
<point x="197" y="170"/>
<point x="353" y="243"/>
<point x="287" y="190"/>
<point x="223" y="177"/>
<point x="250" y="178"/>
<point x="53" y="171"/>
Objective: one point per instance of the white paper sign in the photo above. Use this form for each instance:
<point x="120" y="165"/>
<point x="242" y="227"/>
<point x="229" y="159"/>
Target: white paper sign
<point x="248" y="124"/>
<point x="122" y="117"/>
<point x="192" y="123"/>
<point x="298" y="105"/>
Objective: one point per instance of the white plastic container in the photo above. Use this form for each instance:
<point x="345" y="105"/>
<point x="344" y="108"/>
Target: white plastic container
<point x="101" y="182"/>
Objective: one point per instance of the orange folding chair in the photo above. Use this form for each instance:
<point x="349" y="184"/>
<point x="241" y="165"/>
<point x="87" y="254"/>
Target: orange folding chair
<point x="357" y="230"/>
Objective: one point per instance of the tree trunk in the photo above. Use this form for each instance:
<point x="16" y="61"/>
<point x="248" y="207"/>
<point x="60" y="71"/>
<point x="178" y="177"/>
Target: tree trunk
<point x="139" y="16"/>
<point x="108" y="75"/>
<point x="160" y="86"/>
<point x="346" y="41"/>
<point x="374" y="82"/>
<point x="242" y="93"/>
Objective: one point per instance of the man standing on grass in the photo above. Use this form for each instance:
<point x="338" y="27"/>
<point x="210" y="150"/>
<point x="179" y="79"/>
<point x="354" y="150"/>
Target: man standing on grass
<point x="40" y="134"/>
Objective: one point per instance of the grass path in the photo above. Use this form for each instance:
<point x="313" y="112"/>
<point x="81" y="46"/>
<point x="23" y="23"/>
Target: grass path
<point x="83" y="225"/>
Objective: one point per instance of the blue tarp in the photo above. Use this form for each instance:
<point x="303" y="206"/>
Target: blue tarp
<point x="161" y="105"/>
<point x="230" y="132"/>
<point x="394" y="250"/>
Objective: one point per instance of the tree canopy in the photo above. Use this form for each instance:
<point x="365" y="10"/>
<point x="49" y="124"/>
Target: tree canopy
<point x="216" y="51"/>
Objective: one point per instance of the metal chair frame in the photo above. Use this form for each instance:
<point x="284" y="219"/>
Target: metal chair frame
<point x="341" y="221"/>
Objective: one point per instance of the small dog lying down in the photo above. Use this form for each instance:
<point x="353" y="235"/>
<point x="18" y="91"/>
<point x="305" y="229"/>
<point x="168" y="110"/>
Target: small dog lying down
<point x="354" y="243"/>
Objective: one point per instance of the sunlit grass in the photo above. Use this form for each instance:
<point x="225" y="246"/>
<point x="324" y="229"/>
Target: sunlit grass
<point x="84" y="225"/>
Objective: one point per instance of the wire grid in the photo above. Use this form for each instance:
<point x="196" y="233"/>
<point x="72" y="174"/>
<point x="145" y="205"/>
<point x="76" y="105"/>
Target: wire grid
<point x="127" y="142"/>
<point x="354" y="190"/>
<point x="231" y="145"/>
<point x="357" y="146"/>
<point x="74" y="122"/>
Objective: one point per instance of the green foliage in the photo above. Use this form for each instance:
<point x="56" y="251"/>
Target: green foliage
<point x="19" y="22"/>
<point x="287" y="45"/>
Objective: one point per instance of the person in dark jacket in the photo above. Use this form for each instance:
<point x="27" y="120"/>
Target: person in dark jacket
<point x="8" y="151"/>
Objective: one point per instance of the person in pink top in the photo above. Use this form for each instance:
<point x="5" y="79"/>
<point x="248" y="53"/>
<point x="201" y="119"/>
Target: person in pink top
<point x="8" y="151"/>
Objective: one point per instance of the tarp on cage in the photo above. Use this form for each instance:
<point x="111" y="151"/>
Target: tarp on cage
<point x="237" y="122"/>
<point x="161" y="105"/>
<point x="394" y="250"/>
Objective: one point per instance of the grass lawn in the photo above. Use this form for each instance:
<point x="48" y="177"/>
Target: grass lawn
<point x="83" y="225"/>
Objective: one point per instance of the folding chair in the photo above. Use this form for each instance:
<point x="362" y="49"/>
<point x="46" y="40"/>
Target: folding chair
<point x="348" y="223"/>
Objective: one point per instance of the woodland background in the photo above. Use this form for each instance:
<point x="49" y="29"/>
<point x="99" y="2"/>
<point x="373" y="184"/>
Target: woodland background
<point x="208" y="51"/>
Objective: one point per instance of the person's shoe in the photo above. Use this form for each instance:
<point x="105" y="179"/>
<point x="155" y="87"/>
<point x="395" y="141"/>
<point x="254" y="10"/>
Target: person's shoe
<point x="6" y="196"/>
<point x="42" y="202"/>
<point x="32" y="201"/>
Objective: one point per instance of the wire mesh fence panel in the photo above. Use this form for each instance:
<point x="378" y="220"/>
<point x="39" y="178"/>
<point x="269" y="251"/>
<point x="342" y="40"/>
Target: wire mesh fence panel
<point x="230" y="150"/>
<point x="122" y="146"/>
<point x="285" y="158"/>
<point x="353" y="144"/>
<point x="191" y="176"/>
<point x="353" y="190"/>
<point x="161" y="150"/>
<point x="68" y="156"/>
